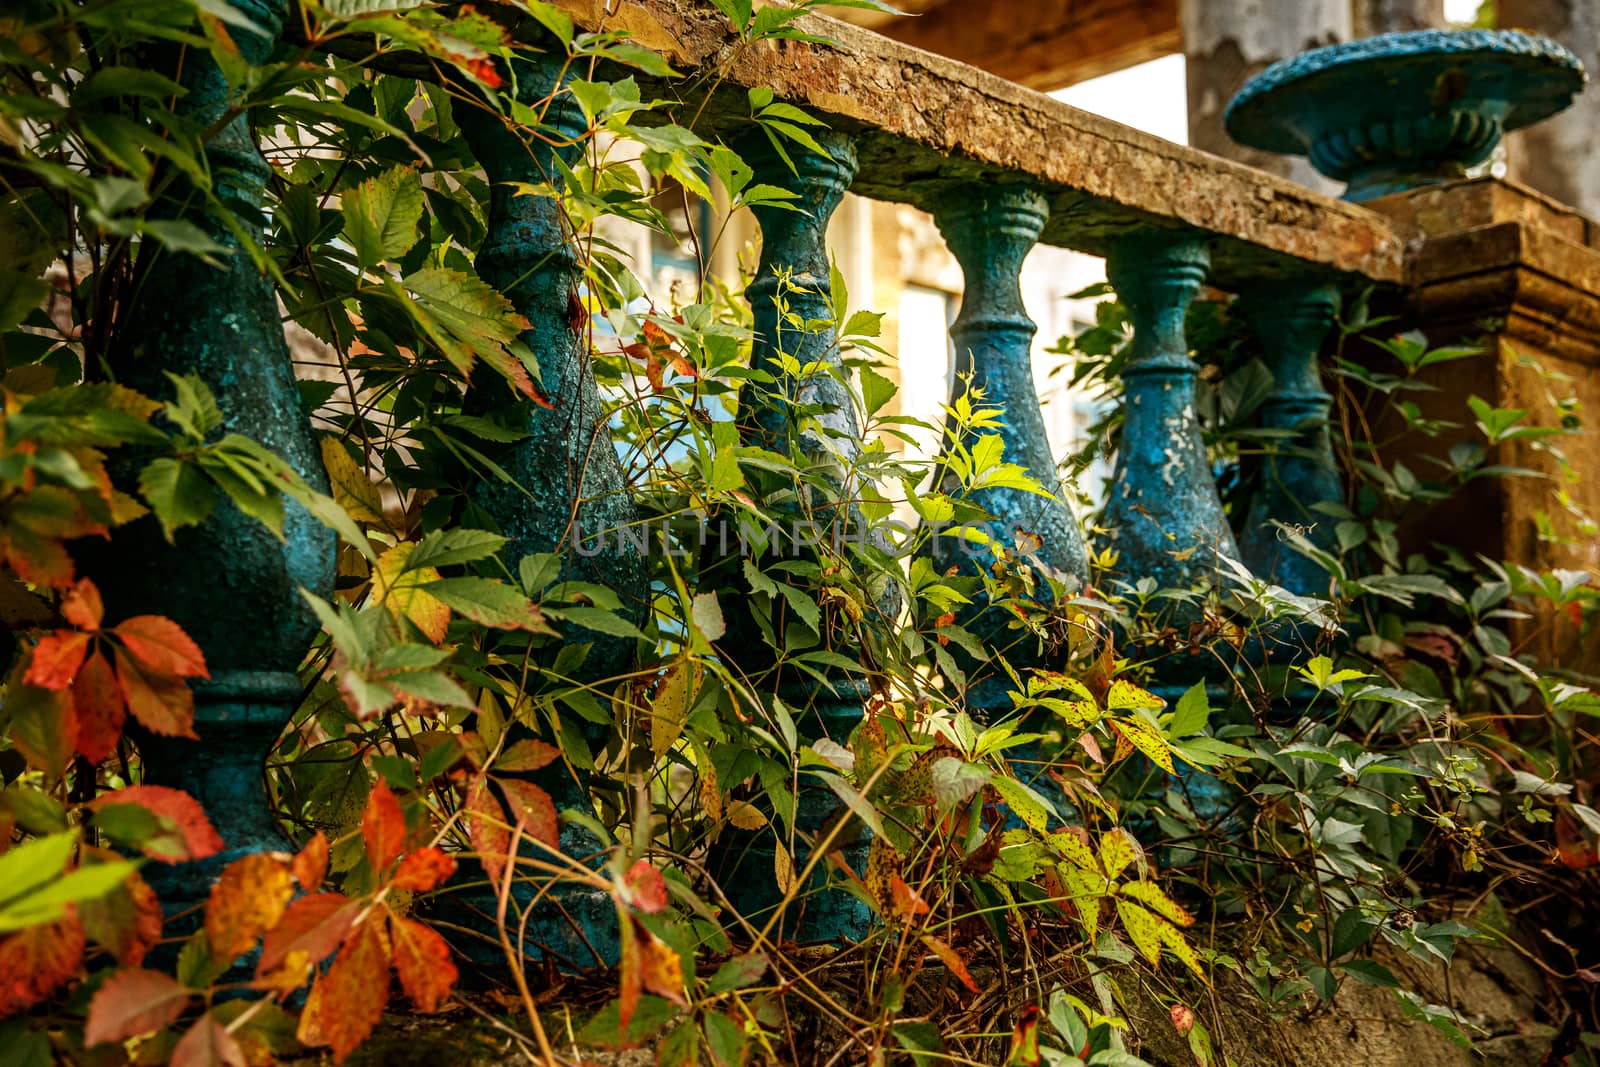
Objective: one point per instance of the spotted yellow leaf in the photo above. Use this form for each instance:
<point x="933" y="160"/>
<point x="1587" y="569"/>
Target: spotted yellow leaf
<point x="1142" y="928"/>
<point x="1147" y="739"/>
<point x="1125" y="696"/>
<point x="1179" y="946"/>
<point x="1151" y="896"/>
<point x="1117" y="850"/>
<point x="1069" y="845"/>
<point x="1087" y="889"/>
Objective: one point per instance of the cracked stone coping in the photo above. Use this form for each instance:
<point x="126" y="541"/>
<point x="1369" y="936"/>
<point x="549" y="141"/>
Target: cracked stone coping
<point x="923" y="122"/>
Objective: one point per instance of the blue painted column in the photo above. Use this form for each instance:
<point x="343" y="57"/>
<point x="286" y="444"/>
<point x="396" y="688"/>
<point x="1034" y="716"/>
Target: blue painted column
<point x="990" y="230"/>
<point x="1291" y="319"/>
<point x="813" y="416"/>
<point x="230" y="583"/>
<point x="569" y="482"/>
<point x="1164" y="511"/>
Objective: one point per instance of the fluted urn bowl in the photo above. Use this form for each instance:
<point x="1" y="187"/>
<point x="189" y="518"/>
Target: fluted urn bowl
<point x="1402" y="110"/>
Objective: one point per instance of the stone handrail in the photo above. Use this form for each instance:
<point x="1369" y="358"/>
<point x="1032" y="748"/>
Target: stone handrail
<point x="921" y="122"/>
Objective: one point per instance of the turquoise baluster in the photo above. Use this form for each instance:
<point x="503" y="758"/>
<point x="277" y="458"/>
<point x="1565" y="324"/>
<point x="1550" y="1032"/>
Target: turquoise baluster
<point x="1167" y="519"/>
<point x="1291" y="319"/>
<point x="816" y="414"/>
<point x="1166" y="516"/>
<point x="230" y="583"/>
<point x="569" y="482"/>
<point x="990" y="230"/>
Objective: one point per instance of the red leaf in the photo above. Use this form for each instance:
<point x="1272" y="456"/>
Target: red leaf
<point x="315" y="924"/>
<point x="646" y="888"/>
<point x="486" y="829"/>
<point x="35" y="961"/>
<point x="1025" y="1038"/>
<point x="422" y="960"/>
<point x="347" y="1001"/>
<point x="208" y="1044"/>
<point x="161" y="647"/>
<point x="193" y="839"/>
<point x="1182" y="1019"/>
<point x="533" y="807"/>
<point x="101" y="710"/>
<point x="908" y="903"/>
<point x="423" y="870"/>
<point x="247" y="901"/>
<point x="383" y="827"/>
<point x="56" y="659"/>
<point x="310" y="864"/>
<point x="527" y="755"/>
<point x="81" y="605"/>
<point x="133" y="1002"/>
<point x="126" y="922"/>
<point x="163" y="705"/>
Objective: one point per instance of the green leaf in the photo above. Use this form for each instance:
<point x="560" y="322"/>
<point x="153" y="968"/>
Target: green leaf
<point x="31" y="864"/>
<point x="738" y="973"/>
<point x="459" y="545"/>
<point x="956" y="780"/>
<point x="178" y="493"/>
<point x="1192" y="713"/>
<point x="600" y="621"/>
<point x="489" y="602"/>
<point x="381" y="215"/>
<point x="876" y="390"/>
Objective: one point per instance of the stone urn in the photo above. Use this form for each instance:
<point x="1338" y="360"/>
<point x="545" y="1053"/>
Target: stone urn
<point x="1401" y="110"/>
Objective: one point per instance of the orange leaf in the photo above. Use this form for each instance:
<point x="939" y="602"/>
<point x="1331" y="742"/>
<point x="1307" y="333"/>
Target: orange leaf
<point x="192" y="837"/>
<point x="646" y="888"/>
<point x="486" y="829"/>
<point x="36" y="961"/>
<point x="81" y="605"/>
<point x="126" y="922"/>
<point x="422" y="960"/>
<point x="404" y="593"/>
<point x="310" y="864"/>
<point x="161" y="647"/>
<point x="951" y="959"/>
<point x="527" y="755"/>
<point x="133" y="1002"/>
<point x="908" y="903"/>
<point x="347" y="1001"/>
<point x="423" y="870"/>
<point x="208" y="1044"/>
<point x="660" y="967"/>
<point x="163" y="705"/>
<point x="56" y="659"/>
<point x="383" y="827"/>
<point x="533" y="807"/>
<point x="1025" y="1038"/>
<point x="100" y="707"/>
<point x="315" y="925"/>
<point x="247" y="901"/>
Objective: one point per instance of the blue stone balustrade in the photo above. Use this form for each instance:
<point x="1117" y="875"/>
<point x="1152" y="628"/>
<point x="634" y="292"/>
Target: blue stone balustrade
<point x="1291" y="319"/>
<point x="811" y="415"/>
<point x="990" y="230"/>
<point x="1166" y="518"/>
<point x="567" y="480"/>
<point x="229" y="582"/>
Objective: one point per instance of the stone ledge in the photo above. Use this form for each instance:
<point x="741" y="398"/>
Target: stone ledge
<point x="923" y="122"/>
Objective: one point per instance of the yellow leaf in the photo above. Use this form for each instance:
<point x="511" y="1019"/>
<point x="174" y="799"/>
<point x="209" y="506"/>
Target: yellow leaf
<point x="1180" y="947"/>
<point x="1143" y="929"/>
<point x="1146" y="739"/>
<point x="1151" y="896"/>
<point x="710" y="792"/>
<point x="670" y="708"/>
<point x="1072" y="847"/>
<point x="1117" y="850"/>
<point x="404" y="595"/>
<point x="745" y="815"/>
<point x="1086" y="888"/>
<point x="1125" y="696"/>
<point x="352" y="489"/>
<point x="782" y="867"/>
<point x="247" y="901"/>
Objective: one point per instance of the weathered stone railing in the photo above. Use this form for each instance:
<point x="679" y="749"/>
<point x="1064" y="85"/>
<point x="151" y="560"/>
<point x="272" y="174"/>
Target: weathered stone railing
<point x="1000" y="167"/>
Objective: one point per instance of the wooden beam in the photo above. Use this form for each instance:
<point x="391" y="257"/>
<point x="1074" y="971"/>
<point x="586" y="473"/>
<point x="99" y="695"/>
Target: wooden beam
<point x="1043" y="44"/>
